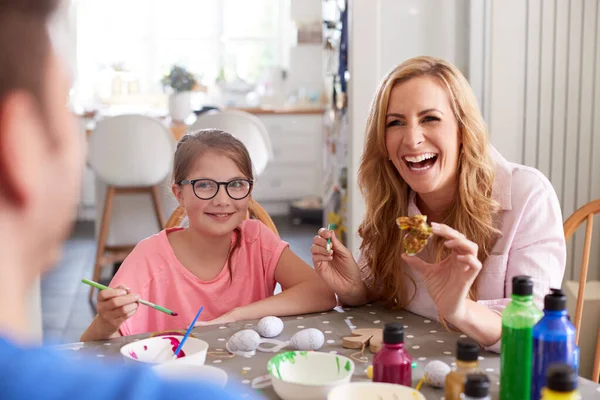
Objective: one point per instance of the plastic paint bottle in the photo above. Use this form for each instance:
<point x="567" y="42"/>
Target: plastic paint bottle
<point x="392" y="363"/>
<point x="518" y="319"/>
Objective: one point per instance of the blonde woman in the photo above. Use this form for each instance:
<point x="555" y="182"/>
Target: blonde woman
<point x="427" y="152"/>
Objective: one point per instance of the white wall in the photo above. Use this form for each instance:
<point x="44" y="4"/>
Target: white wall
<point x="63" y="35"/>
<point x="382" y="34"/>
<point x="305" y="69"/>
<point x="537" y="69"/>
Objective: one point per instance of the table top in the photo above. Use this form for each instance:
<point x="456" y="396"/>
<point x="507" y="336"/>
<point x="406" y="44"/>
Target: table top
<point x="426" y="340"/>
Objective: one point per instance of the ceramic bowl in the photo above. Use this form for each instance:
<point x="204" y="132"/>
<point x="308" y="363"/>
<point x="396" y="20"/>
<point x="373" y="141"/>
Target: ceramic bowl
<point x="159" y="349"/>
<point x="180" y="369"/>
<point x="308" y="375"/>
<point x="374" y="391"/>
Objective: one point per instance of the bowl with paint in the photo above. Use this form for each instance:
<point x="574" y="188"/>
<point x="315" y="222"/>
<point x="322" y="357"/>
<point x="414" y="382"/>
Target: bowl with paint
<point x="160" y="349"/>
<point x="305" y="375"/>
<point x="374" y="391"/>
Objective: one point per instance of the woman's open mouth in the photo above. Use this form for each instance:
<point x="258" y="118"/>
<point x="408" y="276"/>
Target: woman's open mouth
<point x="421" y="162"/>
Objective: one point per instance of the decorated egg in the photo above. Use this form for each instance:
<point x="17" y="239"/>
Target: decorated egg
<point x="243" y="342"/>
<point x="269" y="327"/>
<point x="308" y="339"/>
<point x="435" y="373"/>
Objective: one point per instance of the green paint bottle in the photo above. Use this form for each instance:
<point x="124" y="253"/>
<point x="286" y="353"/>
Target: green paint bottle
<point x="518" y="320"/>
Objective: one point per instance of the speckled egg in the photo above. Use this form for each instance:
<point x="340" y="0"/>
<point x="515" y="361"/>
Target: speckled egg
<point x="245" y="341"/>
<point x="435" y="373"/>
<point x="269" y="327"/>
<point x="308" y="339"/>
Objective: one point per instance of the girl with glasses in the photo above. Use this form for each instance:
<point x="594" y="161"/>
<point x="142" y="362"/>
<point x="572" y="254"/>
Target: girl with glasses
<point x="223" y="261"/>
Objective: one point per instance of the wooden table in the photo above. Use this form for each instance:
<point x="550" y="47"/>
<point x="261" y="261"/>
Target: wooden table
<point x="426" y="340"/>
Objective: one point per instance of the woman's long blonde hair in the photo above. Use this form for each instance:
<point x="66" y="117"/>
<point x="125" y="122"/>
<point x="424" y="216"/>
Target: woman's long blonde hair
<point x="386" y="193"/>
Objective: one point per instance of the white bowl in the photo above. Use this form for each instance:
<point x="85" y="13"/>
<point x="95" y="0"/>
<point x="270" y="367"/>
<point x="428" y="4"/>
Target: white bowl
<point x="308" y="375"/>
<point x="179" y="369"/>
<point x="374" y="391"/>
<point x="159" y="349"/>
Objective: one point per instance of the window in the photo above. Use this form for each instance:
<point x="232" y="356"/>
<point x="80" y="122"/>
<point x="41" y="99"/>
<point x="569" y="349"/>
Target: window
<point x="139" y="40"/>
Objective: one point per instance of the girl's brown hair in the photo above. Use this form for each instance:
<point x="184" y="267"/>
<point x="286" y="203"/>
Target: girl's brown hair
<point x="196" y="144"/>
<point x="386" y="193"/>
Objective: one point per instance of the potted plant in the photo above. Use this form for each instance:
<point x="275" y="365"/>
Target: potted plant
<point x="181" y="82"/>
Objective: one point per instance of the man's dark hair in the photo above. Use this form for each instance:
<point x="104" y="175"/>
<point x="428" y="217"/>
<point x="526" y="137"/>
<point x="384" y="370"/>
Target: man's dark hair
<point x="24" y="45"/>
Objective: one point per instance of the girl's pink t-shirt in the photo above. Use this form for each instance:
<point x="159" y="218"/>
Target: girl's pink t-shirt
<point x="153" y="271"/>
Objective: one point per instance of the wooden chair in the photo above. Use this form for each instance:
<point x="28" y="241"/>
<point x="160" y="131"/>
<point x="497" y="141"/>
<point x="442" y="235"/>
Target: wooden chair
<point x="584" y="214"/>
<point x="110" y="254"/>
<point x="255" y="211"/>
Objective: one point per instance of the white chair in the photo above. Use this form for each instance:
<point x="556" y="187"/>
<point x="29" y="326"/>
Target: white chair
<point x="132" y="155"/>
<point x="248" y="128"/>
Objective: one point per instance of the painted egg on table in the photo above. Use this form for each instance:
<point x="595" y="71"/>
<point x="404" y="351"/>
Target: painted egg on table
<point x="243" y="341"/>
<point x="269" y="327"/>
<point x="435" y="373"/>
<point x="308" y="339"/>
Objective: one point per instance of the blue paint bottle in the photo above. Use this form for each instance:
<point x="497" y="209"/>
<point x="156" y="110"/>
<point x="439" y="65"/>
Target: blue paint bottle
<point x="553" y="341"/>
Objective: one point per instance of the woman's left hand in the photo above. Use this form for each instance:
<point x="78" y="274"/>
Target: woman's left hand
<point x="448" y="281"/>
<point x="228" y="317"/>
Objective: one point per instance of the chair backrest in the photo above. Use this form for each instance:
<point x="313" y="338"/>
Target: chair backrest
<point x="247" y="128"/>
<point x="255" y="211"/>
<point x="177" y="218"/>
<point x="584" y="214"/>
<point x="131" y="150"/>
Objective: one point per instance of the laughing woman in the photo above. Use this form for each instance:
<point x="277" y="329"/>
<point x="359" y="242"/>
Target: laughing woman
<point x="427" y="152"/>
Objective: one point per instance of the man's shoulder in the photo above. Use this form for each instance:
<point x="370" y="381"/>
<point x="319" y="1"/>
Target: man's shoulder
<point x="42" y="373"/>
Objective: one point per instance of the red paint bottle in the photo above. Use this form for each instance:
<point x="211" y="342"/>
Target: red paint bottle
<point x="392" y="364"/>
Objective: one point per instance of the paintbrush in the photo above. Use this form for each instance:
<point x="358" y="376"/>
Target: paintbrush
<point x="187" y="333"/>
<point x="329" y="228"/>
<point x="144" y="302"/>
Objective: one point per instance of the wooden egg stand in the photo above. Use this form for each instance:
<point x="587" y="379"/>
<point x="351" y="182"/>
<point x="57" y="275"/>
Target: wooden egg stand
<point x="362" y="338"/>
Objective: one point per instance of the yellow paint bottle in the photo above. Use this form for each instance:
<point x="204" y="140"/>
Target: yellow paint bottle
<point x="561" y="383"/>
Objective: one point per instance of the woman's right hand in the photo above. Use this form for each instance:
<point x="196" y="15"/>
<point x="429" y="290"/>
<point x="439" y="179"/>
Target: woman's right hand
<point x="338" y="268"/>
<point x="115" y="306"/>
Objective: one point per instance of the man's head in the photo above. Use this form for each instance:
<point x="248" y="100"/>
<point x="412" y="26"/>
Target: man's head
<point x="41" y="152"/>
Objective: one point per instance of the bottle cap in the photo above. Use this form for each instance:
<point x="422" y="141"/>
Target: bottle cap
<point x="522" y="285"/>
<point x="393" y="333"/>
<point x="561" y="378"/>
<point x="555" y="301"/>
<point x="467" y="350"/>
<point x="477" y="386"/>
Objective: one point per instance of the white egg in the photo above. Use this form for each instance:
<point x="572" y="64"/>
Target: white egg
<point x="269" y="327"/>
<point x="435" y="373"/>
<point x="308" y="339"/>
<point x="243" y="341"/>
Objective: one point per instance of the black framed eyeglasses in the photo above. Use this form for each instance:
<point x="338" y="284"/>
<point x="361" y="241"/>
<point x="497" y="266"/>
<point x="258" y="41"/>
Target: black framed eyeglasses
<point x="206" y="189"/>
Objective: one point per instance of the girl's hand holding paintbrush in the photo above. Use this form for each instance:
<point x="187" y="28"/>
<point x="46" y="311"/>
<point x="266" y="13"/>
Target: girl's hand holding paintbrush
<point x="115" y="306"/>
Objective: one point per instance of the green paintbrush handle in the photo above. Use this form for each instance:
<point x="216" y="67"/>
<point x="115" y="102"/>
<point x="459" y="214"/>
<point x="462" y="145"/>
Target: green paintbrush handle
<point x="144" y="302"/>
